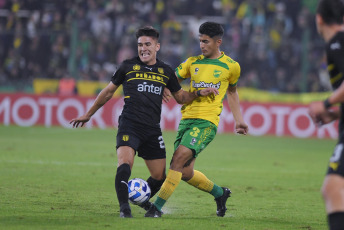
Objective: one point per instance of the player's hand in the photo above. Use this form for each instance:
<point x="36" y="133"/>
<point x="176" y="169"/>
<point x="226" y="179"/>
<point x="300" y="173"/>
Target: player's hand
<point x="241" y="128"/>
<point x="328" y="117"/>
<point x="166" y="95"/>
<point x="77" y="121"/>
<point x="320" y="116"/>
<point x="212" y="92"/>
<point x="317" y="112"/>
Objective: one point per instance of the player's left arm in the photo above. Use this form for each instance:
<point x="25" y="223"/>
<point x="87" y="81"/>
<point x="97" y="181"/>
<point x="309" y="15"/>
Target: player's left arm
<point x="320" y="111"/>
<point x="234" y="103"/>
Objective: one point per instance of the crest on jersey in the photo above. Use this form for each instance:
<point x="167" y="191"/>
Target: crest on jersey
<point x="193" y="141"/>
<point x="161" y="70"/>
<point x="196" y="70"/>
<point x="125" y="137"/>
<point x="217" y="73"/>
<point x="136" y="67"/>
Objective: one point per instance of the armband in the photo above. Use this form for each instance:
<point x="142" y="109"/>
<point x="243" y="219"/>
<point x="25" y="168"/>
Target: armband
<point x="198" y="93"/>
<point x="327" y="104"/>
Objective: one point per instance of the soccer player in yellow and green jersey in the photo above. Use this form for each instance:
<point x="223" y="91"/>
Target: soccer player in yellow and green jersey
<point x="204" y="72"/>
<point x="200" y="118"/>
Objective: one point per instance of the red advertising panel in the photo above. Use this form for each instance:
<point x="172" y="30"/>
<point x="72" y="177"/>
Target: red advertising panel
<point x="263" y="119"/>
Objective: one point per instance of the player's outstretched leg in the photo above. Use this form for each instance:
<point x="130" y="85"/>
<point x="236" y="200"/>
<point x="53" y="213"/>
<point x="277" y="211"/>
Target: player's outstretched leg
<point x="221" y="194"/>
<point x="153" y="211"/>
<point x="171" y="182"/>
<point x="155" y="186"/>
<point x="221" y="202"/>
<point x="121" y="185"/>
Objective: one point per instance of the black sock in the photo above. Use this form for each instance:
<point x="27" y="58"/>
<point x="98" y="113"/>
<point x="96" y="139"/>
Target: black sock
<point x="154" y="185"/>
<point x="121" y="183"/>
<point x="336" y="221"/>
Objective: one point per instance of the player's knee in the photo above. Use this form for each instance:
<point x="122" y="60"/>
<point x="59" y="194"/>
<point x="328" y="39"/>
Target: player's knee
<point x="177" y="164"/>
<point x="324" y="192"/>
<point x="186" y="177"/>
<point x="187" y="174"/>
<point x="125" y="155"/>
<point x="158" y="176"/>
<point x="178" y="161"/>
<point x="329" y="190"/>
<point x="332" y="187"/>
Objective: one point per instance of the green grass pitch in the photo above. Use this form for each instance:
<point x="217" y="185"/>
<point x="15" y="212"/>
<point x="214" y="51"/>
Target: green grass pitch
<point x="55" y="178"/>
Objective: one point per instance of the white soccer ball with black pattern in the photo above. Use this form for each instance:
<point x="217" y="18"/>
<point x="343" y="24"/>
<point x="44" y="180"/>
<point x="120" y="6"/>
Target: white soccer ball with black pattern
<point x="139" y="191"/>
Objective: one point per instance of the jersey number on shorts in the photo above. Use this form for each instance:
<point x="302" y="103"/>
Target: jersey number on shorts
<point x="195" y="132"/>
<point x="161" y="142"/>
<point x="337" y="153"/>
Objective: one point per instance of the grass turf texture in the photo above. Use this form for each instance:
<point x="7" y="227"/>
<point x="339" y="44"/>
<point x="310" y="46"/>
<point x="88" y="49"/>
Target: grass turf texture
<point x="55" y="178"/>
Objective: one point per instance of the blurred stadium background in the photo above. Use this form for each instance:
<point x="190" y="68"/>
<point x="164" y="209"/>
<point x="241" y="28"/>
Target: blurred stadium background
<point x="72" y="47"/>
<point x="275" y="41"/>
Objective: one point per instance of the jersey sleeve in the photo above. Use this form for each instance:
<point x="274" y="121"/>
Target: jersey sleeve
<point x="173" y="84"/>
<point x="235" y="74"/>
<point x="119" y="76"/>
<point x="183" y="70"/>
<point x="337" y="56"/>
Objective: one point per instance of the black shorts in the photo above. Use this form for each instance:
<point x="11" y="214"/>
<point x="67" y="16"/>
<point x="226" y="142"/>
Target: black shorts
<point x="147" y="141"/>
<point x="336" y="164"/>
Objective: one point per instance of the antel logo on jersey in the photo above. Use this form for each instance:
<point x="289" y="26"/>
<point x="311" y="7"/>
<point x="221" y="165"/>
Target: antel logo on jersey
<point x="149" y="88"/>
<point x="203" y="84"/>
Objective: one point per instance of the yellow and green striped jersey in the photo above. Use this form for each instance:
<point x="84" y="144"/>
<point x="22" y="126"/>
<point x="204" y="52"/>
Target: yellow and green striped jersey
<point x="217" y="73"/>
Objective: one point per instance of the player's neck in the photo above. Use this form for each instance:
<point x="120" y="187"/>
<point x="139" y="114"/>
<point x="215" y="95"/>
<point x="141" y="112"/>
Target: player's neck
<point x="151" y="62"/>
<point x="330" y="31"/>
<point x="215" y="55"/>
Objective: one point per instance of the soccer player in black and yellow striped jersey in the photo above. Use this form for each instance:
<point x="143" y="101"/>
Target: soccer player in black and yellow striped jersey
<point x="330" y="25"/>
<point x="144" y="79"/>
<point x="200" y="118"/>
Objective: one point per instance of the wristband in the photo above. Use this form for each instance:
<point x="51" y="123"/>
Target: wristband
<point x="327" y="104"/>
<point x="198" y="93"/>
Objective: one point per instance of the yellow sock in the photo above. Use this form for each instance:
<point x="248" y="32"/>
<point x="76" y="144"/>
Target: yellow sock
<point x="200" y="181"/>
<point x="171" y="182"/>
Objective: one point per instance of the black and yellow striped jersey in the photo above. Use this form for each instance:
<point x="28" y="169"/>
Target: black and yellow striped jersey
<point x="335" y="59"/>
<point x="335" y="67"/>
<point x="143" y="87"/>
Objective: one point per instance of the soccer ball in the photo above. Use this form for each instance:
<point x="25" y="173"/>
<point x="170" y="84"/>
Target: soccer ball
<point x="139" y="191"/>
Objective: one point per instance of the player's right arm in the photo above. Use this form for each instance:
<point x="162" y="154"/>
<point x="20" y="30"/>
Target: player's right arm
<point x="104" y="96"/>
<point x="167" y="93"/>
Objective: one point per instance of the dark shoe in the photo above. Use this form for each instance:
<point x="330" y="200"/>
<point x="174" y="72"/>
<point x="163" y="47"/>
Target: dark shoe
<point x="153" y="212"/>
<point x="125" y="211"/>
<point x="146" y="205"/>
<point x="221" y="202"/>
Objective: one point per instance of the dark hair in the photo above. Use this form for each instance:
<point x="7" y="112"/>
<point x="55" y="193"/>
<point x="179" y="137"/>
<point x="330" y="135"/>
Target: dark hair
<point x="147" y="31"/>
<point x="331" y="11"/>
<point x="212" y="29"/>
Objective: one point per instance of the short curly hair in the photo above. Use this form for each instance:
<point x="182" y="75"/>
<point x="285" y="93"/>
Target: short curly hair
<point x="212" y="29"/>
